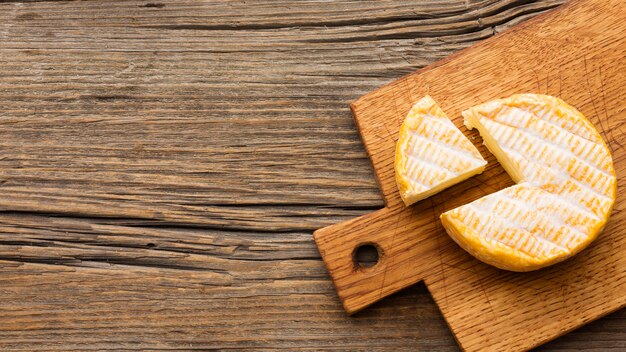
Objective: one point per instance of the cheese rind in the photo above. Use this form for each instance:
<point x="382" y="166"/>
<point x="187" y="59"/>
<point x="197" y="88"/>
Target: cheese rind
<point x="566" y="184"/>
<point x="432" y="153"/>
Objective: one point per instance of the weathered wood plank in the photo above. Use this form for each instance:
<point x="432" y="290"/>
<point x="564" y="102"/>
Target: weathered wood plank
<point x="185" y="111"/>
<point x="162" y="164"/>
<point x="80" y="285"/>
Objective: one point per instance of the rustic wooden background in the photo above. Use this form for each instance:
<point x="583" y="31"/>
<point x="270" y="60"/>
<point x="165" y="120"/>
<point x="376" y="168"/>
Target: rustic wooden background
<point x="163" y="165"/>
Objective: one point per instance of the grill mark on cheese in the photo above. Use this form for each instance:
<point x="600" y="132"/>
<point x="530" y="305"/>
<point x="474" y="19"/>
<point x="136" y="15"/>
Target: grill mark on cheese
<point x="550" y="110"/>
<point x="504" y="207"/>
<point x="543" y="222"/>
<point x="560" y="184"/>
<point x="525" y="241"/>
<point x="442" y="130"/>
<point x="564" y="116"/>
<point x="563" y="210"/>
<point x="434" y="152"/>
<point x="537" y="165"/>
<point x="427" y="164"/>
<point x="596" y="150"/>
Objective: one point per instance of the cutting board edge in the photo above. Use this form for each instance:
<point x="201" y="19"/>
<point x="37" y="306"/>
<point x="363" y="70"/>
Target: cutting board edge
<point x="355" y="105"/>
<point x="537" y="343"/>
<point x="326" y="232"/>
<point x="317" y="237"/>
<point x="579" y="325"/>
<point x="509" y="31"/>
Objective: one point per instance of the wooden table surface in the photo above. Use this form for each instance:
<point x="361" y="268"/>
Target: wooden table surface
<point x="163" y="165"/>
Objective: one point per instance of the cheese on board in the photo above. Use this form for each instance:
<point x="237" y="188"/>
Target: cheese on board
<point x="432" y="153"/>
<point x="566" y="184"/>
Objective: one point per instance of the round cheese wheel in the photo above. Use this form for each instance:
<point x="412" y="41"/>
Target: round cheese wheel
<point x="566" y="184"/>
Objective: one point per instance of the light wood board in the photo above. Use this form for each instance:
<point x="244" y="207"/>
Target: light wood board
<point x="576" y="52"/>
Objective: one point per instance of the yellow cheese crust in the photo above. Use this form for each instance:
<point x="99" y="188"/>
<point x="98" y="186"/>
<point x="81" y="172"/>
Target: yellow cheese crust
<point x="432" y="154"/>
<point x="566" y="184"/>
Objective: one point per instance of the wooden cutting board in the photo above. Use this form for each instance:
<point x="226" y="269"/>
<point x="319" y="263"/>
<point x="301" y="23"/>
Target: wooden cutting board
<point x="576" y="52"/>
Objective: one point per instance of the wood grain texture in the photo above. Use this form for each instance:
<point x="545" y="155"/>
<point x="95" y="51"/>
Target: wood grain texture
<point x="163" y="164"/>
<point x="488" y="308"/>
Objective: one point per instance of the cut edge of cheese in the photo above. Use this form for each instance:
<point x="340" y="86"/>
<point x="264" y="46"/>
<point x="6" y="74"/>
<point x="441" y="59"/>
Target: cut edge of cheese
<point x="411" y="197"/>
<point x="442" y="142"/>
<point x="497" y="253"/>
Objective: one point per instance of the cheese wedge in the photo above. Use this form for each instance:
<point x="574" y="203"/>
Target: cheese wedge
<point x="432" y="154"/>
<point x="566" y="184"/>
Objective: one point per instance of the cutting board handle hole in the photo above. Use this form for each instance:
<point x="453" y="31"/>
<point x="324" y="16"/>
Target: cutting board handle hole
<point x="366" y="255"/>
